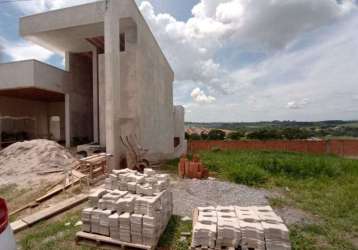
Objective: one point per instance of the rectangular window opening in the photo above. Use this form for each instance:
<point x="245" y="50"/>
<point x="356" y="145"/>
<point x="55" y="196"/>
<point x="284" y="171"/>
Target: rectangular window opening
<point x="122" y="42"/>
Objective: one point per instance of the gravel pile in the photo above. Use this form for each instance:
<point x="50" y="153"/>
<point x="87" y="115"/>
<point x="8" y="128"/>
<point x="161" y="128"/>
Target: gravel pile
<point x="188" y="194"/>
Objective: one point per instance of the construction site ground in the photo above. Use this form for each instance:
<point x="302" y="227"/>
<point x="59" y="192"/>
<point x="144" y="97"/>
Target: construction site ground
<point x="320" y="209"/>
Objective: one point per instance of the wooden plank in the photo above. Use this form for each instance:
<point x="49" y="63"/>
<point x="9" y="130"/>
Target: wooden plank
<point x="78" y="174"/>
<point x="104" y="239"/>
<point x="50" y="172"/>
<point x="32" y="204"/>
<point x="56" y="191"/>
<point x="55" y="209"/>
<point x="18" y="225"/>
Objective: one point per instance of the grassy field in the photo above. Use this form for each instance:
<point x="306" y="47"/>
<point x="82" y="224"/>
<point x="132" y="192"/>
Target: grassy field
<point x="326" y="187"/>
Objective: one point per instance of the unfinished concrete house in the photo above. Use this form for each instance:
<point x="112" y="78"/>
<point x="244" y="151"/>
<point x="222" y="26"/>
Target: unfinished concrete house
<point x="116" y="83"/>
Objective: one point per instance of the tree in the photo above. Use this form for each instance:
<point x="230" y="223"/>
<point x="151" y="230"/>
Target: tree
<point x="235" y="135"/>
<point x="187" y="136"/>
<point x="195" y="137"/>
<point x="204" y="135"/>
<point x="216" y="134"/>
<point x="265" y="134"/>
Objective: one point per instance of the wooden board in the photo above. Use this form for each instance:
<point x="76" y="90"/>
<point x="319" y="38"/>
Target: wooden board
<point x="56" y="191"/>
<point x="88" y="238"/>
<point x="48" y="212"/>
<point x="18" y="225"/>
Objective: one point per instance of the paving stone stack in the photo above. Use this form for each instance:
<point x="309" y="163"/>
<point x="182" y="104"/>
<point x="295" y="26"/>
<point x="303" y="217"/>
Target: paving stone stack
<point x="245" y="228"/>
<point x="133" y="207"/>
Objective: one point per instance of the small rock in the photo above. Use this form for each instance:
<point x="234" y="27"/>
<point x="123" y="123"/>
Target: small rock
<point x="186" y="218"/>
<point x="67" y="224"/>
<point x="182" y="239"/>
<point x="185" y="234"/>
<point x="211" y="179"/>
<point x="78" y="223"/>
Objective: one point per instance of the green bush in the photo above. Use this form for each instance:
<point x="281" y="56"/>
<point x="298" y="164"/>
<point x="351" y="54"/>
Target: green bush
<point x="249" y="175"/>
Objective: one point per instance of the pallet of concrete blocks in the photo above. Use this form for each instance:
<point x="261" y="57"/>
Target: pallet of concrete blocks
<point x="205" y="228"/>
<point x="252" y="233"/>
<point x="235" y="227"/>
<point x="276" y="233"/>
<point x="229" y="232"/>
<point x="133" y="209"/>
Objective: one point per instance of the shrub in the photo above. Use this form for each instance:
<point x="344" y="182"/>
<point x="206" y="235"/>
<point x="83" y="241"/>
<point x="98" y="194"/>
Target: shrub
<point x="195" y="137"/>
<point x="235" y="135"/>
<point x="251" y="175"/>
<point x="216" y="134"/>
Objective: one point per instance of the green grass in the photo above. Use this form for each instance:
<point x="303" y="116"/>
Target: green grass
<point x="324" y="186"/>
<point x="55" y="235"/>
<point x="171" y="237"/>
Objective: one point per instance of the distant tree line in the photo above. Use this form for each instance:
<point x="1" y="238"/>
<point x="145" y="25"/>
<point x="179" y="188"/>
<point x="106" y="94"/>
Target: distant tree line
<point x="276" y="134"/>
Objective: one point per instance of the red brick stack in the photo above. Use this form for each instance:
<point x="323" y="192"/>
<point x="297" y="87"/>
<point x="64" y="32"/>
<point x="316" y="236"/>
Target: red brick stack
<point x="192" y="169"/>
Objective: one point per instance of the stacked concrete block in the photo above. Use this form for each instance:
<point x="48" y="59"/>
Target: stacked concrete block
<point x="95" y="219"/>
<point x="95" y="196"/>
<point x="229" y="232"/>
<point x="86" y="219"/>
<point x="252" y="232"/>
<point x="239" y="228"/>
<point x="114" y="226"/>
<point x="125" y="227"/>
<point x="276" y="233"/>
<point x="150" y="230"/>
<point x="204" y="235"/>
<point x="134" y="207"/>
<point x="136" y="228"/>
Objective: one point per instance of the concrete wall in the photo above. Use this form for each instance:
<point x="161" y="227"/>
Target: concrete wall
<point x="10" y="77"/>
<point x="79" y="89"/>
<point x="155" y="93"/>
<point x="32" y="73"/>
<point x="336" y="147"/>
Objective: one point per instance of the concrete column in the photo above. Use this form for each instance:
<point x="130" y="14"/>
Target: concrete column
<point x="0" y="132"/>
<point x="67" y="61"/>
<point x="67" y="121"/>
<point x="95" y="95"/>
<point x="112" y="82"/>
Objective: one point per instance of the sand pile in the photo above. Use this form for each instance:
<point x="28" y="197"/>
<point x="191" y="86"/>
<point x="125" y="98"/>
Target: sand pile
<point x="21" y="162"/>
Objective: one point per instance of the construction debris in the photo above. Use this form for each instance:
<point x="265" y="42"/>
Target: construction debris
<point x="192" y="168"/>
<point x="48" y="212"/>
<point x="132" y="208"/>
<point x="246" y="228"/>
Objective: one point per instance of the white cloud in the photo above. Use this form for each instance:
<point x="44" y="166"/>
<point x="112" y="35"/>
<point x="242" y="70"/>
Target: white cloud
<point x="215" y="24"/>
<point x="297" y="104"/>
<point x="37" y="6"/>
<point x="25" y="51"/>
<point x="200" y="97"/>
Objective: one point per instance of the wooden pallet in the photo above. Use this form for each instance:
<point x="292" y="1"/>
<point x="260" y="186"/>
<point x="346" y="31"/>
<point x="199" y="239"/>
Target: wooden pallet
<point x="104" y="242"/>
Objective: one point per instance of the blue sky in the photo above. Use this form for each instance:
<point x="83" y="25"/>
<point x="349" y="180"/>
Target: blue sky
<point x="240" y="60"/>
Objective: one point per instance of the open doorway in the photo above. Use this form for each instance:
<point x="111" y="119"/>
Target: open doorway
<point x="55" y="128"/>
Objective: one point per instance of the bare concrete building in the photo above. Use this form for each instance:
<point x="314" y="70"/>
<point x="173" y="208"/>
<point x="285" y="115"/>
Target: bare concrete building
<point x="117" y="83"/>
